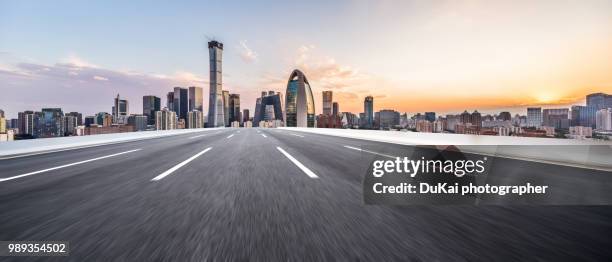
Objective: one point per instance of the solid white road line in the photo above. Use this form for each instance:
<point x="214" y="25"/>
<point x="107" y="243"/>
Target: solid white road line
<point x="67" y="165"/>
<point x="197" y="136"/>
<point x="297" y="135"/>
<point x="230" y="136"/>
<point x="371" y="152"/>
<point x="169" y="171"/>
<point x="298" y="164"/>
<point x="263" y="135"/>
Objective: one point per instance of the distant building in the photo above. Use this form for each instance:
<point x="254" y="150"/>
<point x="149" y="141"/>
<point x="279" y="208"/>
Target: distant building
<point x="599" y="101"/>
<point x="51" y="123"/>
<point x="262" y="107"/>
<point x="388" y="119"/>
<point x="120" y="110"/>
<point x="194" y="119"/>
<point x="165" y="120"/>
<point x="170" y="101"/>
<point x="424" y="126"/>
<point x="534" y="117"/>
<point x="557" y="118"/>
<point x="604" y="119"/>
<point x="26" y="122"/>
<point x="583" y="116"/>
<point x="89" y="120"/>
<point x="299" y="104"/>
<point x="139" y="122"/>
<point x="226" y="107"/>
<point x="246" y="115"/>
<point x="368" y="110"/>
<point x="216" y="115"/>
<point x="195" y="99"/>
<point x="580" y="132"/>
<point x="335" y="109"/>
<point x="150" y="105"/>
<point x="234" y="108"/>
<point x="504" y="116"/>
<point x="430" y="116"/>
<point x="181" y="102"/>
<point x="70" y="124"/>
<point x="327" y="102"/>
<point x="98" y="130"/>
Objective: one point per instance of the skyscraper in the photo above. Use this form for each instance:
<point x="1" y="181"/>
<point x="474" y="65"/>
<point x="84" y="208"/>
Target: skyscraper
<point x="194" y="119"/>
<point x="150" y="105"/>
<point x="603" y="119"/>
<point x="599" y="101"/>
<point x="583" y="116"/>
<point x="299" y="104"/>
<point x="245" y="115"/>
<point x="181" y="102"/>
<point x="120" y="110"/>
<point x="534" y="116"/>
<point x="234" y="108"/>
<point x="52" y="123"/>
<point x="195" y="98"/>
<point x="216" y="116"/>
<point x="557" y="117"/>
<point x="170" y="101"/>
<point x="327" y="102"/>
<point x="368" y="110"/>
<point x="226" y="107"/>
<point x="335" y="109"/>
<point x="430" y="116"/>
<point x="268" y="99"/>
<point x="25" y="122"/>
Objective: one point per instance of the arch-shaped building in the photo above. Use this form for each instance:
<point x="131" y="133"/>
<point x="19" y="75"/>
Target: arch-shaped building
<point x="299" y="102"/>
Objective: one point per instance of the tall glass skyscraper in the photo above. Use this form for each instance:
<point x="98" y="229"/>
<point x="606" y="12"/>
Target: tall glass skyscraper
<point x="299" y="103"/>
<point x="215" y="106"/>
<point x="181" y="102"/>
<point x="150" y="105"/>
<point x="195" y="98"/>
<point x="368" y="110"/>
<point x="327" y="102"/>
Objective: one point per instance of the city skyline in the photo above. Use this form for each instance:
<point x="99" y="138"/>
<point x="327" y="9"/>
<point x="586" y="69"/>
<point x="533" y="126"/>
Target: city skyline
<point x="472" y="59"/>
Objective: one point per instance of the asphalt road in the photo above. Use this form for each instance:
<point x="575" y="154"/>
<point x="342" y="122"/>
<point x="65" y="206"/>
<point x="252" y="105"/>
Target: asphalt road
<point x="266" y="195"/>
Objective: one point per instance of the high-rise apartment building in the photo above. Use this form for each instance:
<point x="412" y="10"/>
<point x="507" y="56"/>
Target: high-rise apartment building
<point x="165" y="120"/>
<point x="194" y="119"/>
<point x="216" y="116"/>
<point x="599" y="101"/>
<point x="556" y="117"/>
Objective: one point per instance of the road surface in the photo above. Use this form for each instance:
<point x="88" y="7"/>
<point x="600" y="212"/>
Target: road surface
<point x="266" y="195"/>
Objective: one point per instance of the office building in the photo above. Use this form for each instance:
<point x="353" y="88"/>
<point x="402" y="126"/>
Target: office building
<point x="299" y="104"/>
<point x="89" y="120"/>
<point x="599" y="101"/>
<point x="504" y="116"/>
<point x="70" y="125"/>
<point x="181" y="102"/>
<point x="226" y="107"/>
<point x="388" y="119"/>
<point x="51" y="123"/>
<point x="583" y="116"/>
<point x="150" y="105"/>
<point x="246" y="115"/>
<point x="195" y="99"/>
<point x="335" y="109"/>
<point x="139" y="122"/>
<point x="327" y="102"/>
<point x="234" y="109"/>
<point x="216" y="116"/>
<point x="268" y="99"/>
<point x="170" y="101"/>
<point x="120" y="110"/>
<point x="603" y="119"/>
<point x="534" y="116"/>
<point x="368" y="110"/>
<point x="26" y="122"/>
<point x="556" y="117"/>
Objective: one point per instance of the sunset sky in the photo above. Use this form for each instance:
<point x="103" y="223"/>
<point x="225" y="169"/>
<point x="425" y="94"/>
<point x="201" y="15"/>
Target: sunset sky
<point x="412" y="56"/>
